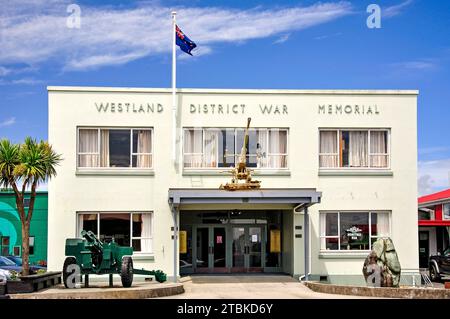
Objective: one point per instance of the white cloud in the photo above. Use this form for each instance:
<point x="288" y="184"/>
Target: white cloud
<point x="395" y="10"/>
<point x="322" y="37"/>
<point x="4" y="71"/>
<point x="35" y="32"/>
<point x="433" y="150"/>
<point x="433" y="175"/>
<point x="27" y="81"/>
<point x="282" y="39"/>
<point x="23" y="81"/>
<point x="8" y="122"/>
<point x="425" y="64"/>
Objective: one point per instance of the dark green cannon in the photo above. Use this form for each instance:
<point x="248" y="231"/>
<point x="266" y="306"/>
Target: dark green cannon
<point x="90" y="256"/>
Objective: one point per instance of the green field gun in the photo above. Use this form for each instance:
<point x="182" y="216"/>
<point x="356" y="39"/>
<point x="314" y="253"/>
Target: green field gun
<point x="90" y="256"/>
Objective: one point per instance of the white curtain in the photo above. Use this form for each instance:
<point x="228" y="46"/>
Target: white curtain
<point x="378" y="146"/>
<point x="193" y="140"/>
<point x="88" y="143"/>
<point x="382" y="224"/>
<point x="358" y="149"/>
<point x="146" y="241"/>
<point x="144" y="143"/>
<point x="277" y="148"/>
<point x="104" y="153"/>
<point x="261" y="148"/>
<point x="328" y="146"/>
<point x="211" y="148"/>
<point x="80" y="225"/>
<point x="323" y="228"/>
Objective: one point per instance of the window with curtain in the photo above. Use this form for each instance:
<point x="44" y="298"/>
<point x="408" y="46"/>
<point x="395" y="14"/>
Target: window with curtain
<point x="446" y="211"/>
<point x="352" y="230"/>
<point x="354" y="148"/>
<point x="126" y="229"/>
<point x="221" y="147"/>
<point x="108" y="148"/>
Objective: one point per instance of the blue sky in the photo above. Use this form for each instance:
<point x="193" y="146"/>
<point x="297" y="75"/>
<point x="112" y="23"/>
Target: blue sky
<point x="241" y="44"/>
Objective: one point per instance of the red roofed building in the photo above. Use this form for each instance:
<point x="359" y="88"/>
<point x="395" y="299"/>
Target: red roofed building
<point x="434" y="225"/>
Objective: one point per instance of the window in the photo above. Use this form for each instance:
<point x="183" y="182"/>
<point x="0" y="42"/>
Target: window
<point x="354" y="148"/>
<point x="426" y="214"/>
<point x="31" y="244"/>
<point x="5" y="246"/>
<point x="126" y="229"/>
<point x="446" y="211"/>
<point x="114" y="148"/>
<point x="352" y="230"/>
<point x="16" y="251"/>
<point x="215" y="148"/>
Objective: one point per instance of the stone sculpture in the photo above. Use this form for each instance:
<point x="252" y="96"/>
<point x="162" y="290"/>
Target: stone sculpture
<point x="382" y="267"/>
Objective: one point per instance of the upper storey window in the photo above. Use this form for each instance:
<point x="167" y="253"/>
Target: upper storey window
<point x="221" y="147"/>
<point x="114" y="148"/>
<point x="354" y="148"/>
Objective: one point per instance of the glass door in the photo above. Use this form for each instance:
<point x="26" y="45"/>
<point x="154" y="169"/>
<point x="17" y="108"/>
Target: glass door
<point x="202" y="250"/>
<point x="239" y="249"/>
<point x="254" y="250"/>
<point x="247" y="248"/>
<point x="210" y="252"/>
<point x="218" y="253"/>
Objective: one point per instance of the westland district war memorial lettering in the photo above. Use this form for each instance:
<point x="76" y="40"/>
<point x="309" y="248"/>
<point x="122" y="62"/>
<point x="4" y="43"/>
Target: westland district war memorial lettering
<point x="236" y="108"/>
<point x="129" y="107"/>
<point x="119" y="107"/>
<point x="348" y="109"/>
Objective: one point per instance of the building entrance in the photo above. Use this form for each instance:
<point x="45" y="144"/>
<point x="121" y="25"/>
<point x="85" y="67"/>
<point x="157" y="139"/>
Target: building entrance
<point x="230" y="242"/>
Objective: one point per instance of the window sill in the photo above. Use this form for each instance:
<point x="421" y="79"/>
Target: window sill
<point x="143" y="257"/>
<point x="335" y="254"/>
<point x="355" y="172"/>
<point x="115" y="172"/>
<point x="217" y="172"/>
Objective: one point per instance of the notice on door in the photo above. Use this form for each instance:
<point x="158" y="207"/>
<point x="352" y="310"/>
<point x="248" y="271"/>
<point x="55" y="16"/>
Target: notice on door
<point x="255" y="238"/>
<point x="275" y="242"/>
<point x="183" y="241"/>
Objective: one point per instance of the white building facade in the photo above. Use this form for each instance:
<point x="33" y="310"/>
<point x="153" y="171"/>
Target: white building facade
<point x="345" y="159"/>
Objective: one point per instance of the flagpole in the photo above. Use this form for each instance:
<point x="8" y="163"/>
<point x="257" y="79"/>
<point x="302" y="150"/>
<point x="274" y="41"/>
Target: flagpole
<point x="174" y="83"/>
<point x="174" y="135"/>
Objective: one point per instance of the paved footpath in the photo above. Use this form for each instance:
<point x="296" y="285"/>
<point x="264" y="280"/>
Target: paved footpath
<point x="250" y="287"/>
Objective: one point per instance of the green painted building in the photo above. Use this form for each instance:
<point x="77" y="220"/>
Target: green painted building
<point x="11" y="229"/>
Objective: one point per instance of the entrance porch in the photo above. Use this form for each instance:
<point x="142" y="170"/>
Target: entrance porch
<point x="238" y="231"/>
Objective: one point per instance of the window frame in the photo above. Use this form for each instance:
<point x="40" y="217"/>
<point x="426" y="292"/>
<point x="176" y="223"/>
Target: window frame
<point x="369" y="154"/>
<point x="443" y="211"/>
<point x="338" y="236"/>
<point x="237" y="152"/>
<point x="99" y="129"/>
<point x="78" y="231"/>
<point x="30" y="241"/>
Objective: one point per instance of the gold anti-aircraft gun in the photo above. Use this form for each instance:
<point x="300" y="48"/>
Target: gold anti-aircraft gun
<point x="240" y="172"/>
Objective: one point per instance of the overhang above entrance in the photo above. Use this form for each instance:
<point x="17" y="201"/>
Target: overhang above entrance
<point x="276" y="198"/>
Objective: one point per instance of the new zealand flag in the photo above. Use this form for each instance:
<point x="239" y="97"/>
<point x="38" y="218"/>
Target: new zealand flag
<point x="183" y="41"/>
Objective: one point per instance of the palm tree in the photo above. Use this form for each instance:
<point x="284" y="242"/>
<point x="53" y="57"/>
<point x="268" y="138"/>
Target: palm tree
<point x="24" y="166"/>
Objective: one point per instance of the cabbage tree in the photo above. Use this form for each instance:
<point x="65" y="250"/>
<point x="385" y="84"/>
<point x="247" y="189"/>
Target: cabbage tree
<point x="23" y="167"/>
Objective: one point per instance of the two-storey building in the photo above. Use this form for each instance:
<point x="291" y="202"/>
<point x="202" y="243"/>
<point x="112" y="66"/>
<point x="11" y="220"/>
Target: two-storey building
<point x="338" y="169"/>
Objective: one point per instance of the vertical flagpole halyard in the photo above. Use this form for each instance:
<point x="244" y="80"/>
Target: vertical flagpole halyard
<point x="174" y="147"/>
<point x="174" y="83"/>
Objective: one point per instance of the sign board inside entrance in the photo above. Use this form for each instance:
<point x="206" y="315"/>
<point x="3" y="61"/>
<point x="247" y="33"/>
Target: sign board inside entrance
<point x="183" y="242"/>
<point x="275" y="242"/>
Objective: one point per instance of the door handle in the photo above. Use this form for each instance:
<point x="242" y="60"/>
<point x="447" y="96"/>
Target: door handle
<point x="211" y="250"/>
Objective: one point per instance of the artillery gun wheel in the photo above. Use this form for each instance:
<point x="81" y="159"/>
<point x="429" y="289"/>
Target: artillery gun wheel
<point x="67" y="262"/>
<point x="126" y="272"/>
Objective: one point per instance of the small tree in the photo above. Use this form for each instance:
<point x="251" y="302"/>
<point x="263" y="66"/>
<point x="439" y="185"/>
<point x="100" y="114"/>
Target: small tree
<point x="24" y="166"/>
